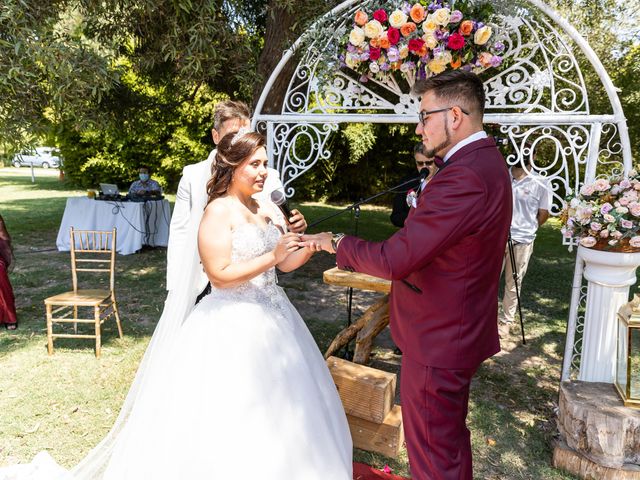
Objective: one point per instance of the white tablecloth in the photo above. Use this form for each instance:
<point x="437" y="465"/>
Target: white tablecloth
<point x="137" y="223"/>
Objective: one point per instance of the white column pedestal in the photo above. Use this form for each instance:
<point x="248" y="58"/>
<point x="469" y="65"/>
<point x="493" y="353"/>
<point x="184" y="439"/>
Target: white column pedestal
<point x="610" y="274"/>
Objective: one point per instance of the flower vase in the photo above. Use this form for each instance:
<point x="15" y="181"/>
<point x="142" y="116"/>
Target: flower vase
<point x="609" y="275"/>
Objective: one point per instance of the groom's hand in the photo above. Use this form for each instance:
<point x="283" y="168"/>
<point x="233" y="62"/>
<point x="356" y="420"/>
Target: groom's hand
<point x="297" y="223"/>
<point x="318" y="241"/>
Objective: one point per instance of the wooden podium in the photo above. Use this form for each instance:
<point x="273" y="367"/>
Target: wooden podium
<point x="371" y="323"/>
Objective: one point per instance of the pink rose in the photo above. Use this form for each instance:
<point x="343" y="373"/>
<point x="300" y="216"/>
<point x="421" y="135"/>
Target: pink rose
<point x="588" y="242"/>
<point x="601" y="184"/>
<point x="622" y="210"/>
<point x="455" y="41"/>
<point x="634" y="208"/>
<point x="626" y="223"/>
<point x="625" y="184"/>
<point x="595" y="226"/>
<point x="374" y="53"/>
<point x="624" y="201"/>
<point x="609" y="218"/>
<point x="587" y="190"/>
<point x="604" y="234"/>
<point x="616" y="234"/>
<point x="635" y="241"/>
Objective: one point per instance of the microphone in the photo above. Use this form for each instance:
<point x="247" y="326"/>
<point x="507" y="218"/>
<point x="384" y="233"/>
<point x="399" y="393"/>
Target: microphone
<point x="424" y="173"/>
<point x="278" y="197"/>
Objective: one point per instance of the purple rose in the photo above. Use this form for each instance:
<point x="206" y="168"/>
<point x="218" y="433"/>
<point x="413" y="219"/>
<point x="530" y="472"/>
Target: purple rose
<point x="350" y="48"/>
<point x="393" y="54"/>
<point x="606" y="208"/>
<point x="479" y="25"/>
<point x="406" y="8"/>
<point x="626" y="223"/>
<point x="385" y="67"/>
<point x="455" y="17"/>
<point x="496" y="61"/>
<point x="364" y="79"/>
<point x="498" y="46"/>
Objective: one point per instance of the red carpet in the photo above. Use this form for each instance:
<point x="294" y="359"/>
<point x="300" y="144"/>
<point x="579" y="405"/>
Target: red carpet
<point x="365" y="472"/>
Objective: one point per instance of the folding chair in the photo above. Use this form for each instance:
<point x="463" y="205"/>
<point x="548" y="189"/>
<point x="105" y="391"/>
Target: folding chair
<point x="91" y="251"/>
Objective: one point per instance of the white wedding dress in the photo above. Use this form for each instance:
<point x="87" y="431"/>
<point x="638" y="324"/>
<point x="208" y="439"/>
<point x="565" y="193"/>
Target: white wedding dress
<point x="243" y="393"/>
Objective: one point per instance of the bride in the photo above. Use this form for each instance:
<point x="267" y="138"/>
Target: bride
<point x="237" y="387"/>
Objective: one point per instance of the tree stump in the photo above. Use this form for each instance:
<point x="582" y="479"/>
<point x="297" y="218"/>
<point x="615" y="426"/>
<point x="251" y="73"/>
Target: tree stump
<point x="595" y="424"/>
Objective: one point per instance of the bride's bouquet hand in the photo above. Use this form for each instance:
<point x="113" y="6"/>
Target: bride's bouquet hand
<point x="288" y="243"/>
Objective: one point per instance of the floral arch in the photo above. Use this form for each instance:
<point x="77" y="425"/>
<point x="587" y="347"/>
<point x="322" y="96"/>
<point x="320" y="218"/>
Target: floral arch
<point x="537" y="98"/>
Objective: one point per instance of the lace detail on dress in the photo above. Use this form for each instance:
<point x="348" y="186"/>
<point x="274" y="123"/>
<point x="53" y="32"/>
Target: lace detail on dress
<point x="250" y="241"/>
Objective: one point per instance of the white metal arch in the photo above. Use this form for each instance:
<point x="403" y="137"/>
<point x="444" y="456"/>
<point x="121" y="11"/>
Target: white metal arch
<point x="540" y="97"/>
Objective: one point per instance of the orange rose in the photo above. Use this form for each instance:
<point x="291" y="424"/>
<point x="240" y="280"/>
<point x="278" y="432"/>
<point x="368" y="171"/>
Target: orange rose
<point x="361" y="18"/>
<point x="384" y="42"/>
<point x="375" y="42"/>
<point x="417" y="13"/>
<point x="466" y="28"/>
<point x="407" y="29"/>
<point x="423" y="50"/>
<point x="396" y="65"/>
<point x="456" y="63"/>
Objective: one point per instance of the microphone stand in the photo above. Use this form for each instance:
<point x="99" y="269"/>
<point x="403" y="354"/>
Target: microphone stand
<point x="514" y="273"/>
<point x="424" y="173"/>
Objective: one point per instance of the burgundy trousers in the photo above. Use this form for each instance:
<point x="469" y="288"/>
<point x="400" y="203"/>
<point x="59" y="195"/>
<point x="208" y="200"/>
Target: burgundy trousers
<point x="435" y="402"/>
<point x="7" y="301"/>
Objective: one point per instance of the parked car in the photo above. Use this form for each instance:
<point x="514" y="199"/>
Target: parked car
<point x="44" y="157"/>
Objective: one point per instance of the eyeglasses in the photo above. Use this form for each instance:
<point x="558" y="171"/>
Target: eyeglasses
<point x="426" y="163"/>
<point x="423" y="116"/>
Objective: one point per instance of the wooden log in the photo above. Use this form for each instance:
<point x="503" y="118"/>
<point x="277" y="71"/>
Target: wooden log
<point x="364" y="340"/>
<point x="361" y="281"/>
<point x="385" y="438"/>
<point x="348" y="333"/>
<point x="570" y="461"/>
<point x="365" y="392"/>
<point x="594" y="422"/>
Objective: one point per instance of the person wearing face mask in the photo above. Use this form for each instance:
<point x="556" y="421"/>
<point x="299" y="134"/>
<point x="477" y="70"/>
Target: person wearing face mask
<point x="145" y="186"/>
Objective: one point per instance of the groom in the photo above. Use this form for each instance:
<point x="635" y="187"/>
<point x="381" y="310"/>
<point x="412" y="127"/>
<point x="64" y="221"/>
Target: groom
<point x="445" y="265"/>
<point x="191" y="198"/>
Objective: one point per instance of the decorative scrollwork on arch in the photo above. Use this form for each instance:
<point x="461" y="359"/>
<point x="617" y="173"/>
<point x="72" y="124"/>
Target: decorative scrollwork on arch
<point x="557" y="153"/>
<point x="299" y="146"/>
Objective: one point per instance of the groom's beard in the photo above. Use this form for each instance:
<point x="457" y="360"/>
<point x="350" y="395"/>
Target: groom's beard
<point x="434" y="151"/>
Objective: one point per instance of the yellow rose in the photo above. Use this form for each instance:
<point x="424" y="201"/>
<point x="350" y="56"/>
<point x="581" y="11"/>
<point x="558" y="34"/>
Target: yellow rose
<point x="373" y="29"/>
<point x="404" y="51"/>
<point x="430" y="40"/>
<point x="482" y="35"/>
<point x="436" y="66"/>
<point x="441" y="16"/>
<point x="397" y="19"/>
<point x="356" y="37"/>
<point x="429" y="24"/>
<point x="350" y="61"/>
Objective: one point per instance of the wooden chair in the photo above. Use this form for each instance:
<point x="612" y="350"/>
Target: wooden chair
<point x="91" y="251"/>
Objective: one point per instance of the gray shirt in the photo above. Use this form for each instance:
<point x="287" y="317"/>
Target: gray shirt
<point x="530" y="194"/>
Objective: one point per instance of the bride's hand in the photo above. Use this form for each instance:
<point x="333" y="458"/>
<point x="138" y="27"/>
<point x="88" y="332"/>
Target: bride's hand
<point x="288" y="243"/>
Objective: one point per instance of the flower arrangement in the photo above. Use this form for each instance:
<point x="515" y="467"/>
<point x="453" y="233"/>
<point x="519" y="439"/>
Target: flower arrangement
<point x="419" y="40"/>
<point x="605" y="214"/>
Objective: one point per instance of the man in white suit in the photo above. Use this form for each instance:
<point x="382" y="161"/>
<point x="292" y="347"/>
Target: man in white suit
<point x="191" y="197"/>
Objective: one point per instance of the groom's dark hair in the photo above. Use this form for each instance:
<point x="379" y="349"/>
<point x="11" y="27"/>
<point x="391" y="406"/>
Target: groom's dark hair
<point x="457" y="87"/>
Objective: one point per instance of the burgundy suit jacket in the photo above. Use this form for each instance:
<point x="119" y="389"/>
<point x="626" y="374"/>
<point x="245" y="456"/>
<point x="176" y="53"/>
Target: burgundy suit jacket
<point x="451" y="249"/>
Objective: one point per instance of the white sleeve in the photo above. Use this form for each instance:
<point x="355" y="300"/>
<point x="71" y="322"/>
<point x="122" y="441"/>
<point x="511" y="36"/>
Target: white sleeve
<point x="545" y="196"/>
<point x="178" y="230"/>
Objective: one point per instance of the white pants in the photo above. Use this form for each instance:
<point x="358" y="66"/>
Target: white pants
<point x="522" y="253"/>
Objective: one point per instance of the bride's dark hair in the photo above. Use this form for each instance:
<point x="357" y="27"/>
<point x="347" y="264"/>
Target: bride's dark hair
<point x="231" y="153"/>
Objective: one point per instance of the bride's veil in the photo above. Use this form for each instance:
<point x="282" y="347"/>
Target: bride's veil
<point x="178" y="305"/>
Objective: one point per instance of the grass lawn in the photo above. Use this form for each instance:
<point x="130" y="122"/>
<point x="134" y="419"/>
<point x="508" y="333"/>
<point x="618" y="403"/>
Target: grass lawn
<point x="66" y="403"/>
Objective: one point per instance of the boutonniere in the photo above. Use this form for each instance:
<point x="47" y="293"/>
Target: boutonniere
<point x="412" y="198"/>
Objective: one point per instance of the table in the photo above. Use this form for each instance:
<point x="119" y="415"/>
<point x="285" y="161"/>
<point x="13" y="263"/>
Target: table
<point x="372" y="321"/>
<point x="137" y="223"/>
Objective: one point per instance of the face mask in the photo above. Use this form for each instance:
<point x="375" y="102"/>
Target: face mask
<point x="144" y="177"/>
